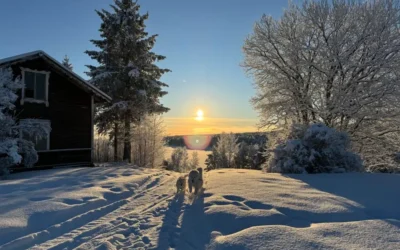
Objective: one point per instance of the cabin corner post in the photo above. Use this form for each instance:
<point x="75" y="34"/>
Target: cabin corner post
<point x="92" y="129"/>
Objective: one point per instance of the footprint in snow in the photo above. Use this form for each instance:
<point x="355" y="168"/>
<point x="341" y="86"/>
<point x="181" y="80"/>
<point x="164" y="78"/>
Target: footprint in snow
<point x="88" y="185"/>
<point x="233" y="198"/>
<point x="116" y="189"/>
<point x="72" y="201"/>
<point x="44" y="198"/>
<point x="257" y="205"/>
<point x="107" y="186"/>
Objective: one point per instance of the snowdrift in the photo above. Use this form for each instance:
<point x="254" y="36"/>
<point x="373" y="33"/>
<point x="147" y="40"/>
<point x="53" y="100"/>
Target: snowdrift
<point x="127" y="207"/>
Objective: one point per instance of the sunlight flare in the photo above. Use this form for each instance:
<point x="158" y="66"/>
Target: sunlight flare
<point x="200" y="115"/>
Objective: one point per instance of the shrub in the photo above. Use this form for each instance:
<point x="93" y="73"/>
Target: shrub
<point x="194" y="161"/>
<point x="179" y="160"/>
<point x="316" y="149"/>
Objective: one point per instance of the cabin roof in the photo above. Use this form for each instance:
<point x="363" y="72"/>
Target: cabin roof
<point x="41" y="54"/>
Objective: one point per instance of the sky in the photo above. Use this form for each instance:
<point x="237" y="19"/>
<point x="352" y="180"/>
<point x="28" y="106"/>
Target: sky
<point x="202" y="41"/>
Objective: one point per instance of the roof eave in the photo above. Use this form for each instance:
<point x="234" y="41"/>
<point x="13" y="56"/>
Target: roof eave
<point x="39" y="53"/>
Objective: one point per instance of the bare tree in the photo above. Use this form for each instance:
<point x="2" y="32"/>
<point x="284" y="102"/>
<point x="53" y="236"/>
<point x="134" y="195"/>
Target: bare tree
<point x="334" y="62"/>
<point x="148" y="142"/>
<point x="227" y="147"/>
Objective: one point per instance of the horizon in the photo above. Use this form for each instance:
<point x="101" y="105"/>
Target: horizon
<point x="202" y="45"/>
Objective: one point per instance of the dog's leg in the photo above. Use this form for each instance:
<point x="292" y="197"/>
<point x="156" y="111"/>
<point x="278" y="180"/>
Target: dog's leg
<point x="196" y="187"/>
<point x="190" y="186"/>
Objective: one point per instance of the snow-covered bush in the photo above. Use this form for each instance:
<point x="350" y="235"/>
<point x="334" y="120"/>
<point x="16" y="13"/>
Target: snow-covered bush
<point x="194" y="160"/>
<point x="248" y="156"/>
<point x="212" y="160"/>
<point x="13" y="149"/>
<point x="317" y="149"/>
<point x="179" y="160"/>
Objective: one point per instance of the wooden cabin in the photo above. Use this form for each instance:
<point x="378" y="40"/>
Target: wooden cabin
<point x="55" y="95"/>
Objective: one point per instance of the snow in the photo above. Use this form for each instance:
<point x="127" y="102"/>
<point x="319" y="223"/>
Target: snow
<point x="128" y="207"/>
<point x="134" y="73"/>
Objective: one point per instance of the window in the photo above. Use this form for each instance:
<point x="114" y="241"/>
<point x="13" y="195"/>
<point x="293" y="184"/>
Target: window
<point x="36" y="86"/>
<point x="41" y="143"/>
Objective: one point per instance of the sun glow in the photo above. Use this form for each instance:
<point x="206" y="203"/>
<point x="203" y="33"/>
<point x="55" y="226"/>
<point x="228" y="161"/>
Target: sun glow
<point x="200" y="115"/>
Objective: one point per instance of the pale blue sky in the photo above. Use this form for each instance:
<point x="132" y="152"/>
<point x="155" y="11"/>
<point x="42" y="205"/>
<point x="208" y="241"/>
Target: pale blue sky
<point x="202" y="41"/>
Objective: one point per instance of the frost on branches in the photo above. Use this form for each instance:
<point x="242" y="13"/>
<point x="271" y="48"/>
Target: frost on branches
<point x="126" y="71"/>
<point x="13" y="150"/>
<point x="316" y="149"/>
<point x="335" y="62"/>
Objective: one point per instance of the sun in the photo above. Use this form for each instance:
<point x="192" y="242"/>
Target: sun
<point x="200" y="115"/>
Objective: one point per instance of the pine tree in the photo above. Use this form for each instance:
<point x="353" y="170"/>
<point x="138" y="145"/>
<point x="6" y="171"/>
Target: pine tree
<point x="13" y="149"/>
<point x="126" y="70"/>
<point x="66" y="63"/>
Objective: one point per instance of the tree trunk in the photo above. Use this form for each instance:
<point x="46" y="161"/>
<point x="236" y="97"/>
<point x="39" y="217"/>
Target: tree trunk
<point x="115" y="142"/>
<point x="127" y="140"/>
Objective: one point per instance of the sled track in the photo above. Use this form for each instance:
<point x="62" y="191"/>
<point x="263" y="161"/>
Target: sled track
<point x="122" y="217"/>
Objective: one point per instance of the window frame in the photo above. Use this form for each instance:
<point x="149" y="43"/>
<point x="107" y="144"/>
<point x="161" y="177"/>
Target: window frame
<point x="33" y="100"/>
<point x="48" y="134"/>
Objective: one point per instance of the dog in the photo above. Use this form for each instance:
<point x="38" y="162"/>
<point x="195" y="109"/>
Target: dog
<point x="199" y="183"/>
<point x="195" y="180"/>
<point x="192" y="180"/>
<point x="181" y="184"/>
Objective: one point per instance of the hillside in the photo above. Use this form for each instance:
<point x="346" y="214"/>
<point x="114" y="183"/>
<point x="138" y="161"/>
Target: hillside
<point x="128" y="207"/>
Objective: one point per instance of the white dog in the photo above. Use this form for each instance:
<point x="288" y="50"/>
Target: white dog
<point x="181" y="184"/>
<point x="200" y="181"/>
<point x="192" y="180"/>
<point x="195" y="180"/>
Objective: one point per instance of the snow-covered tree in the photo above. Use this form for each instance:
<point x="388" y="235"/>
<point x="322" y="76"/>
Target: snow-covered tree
<point x="126" y="70"/>
<point x="334" y="62"/>
<point x="212" y="160"/>
<point x="179" y="160"/>
<point x="242" y="157"/>
<point x="13" y="149"/>
<point x="226" y="148"/>
<point x="249" y="156"/>
<point x="148" y="142"/>
<point x="194" y="160"/>
<point x="66" y="63"/>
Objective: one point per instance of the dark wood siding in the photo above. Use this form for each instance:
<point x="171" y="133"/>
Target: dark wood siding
<point x="63" y="157"/>
<point x="69" y="111"/>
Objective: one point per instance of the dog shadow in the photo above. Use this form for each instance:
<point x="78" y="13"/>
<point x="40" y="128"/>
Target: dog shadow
<point x="170" y="224"/>
<point x="195" y="231"/>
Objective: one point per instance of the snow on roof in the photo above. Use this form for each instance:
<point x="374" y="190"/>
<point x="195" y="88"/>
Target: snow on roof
<point x="40" y="53"/>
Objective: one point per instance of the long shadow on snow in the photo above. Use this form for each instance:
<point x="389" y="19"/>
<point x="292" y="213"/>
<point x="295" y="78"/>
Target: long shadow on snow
<point x="195" y="231"/>
<point x="169" y="228"/>
<point x="376" y="193"/>
<point x="25" y="188"/>
<point x="198" y="225"/>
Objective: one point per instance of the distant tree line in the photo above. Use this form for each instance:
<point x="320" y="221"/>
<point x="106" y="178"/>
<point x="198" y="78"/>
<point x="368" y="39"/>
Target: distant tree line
<point x="228" y="152"/>
<point x="252" y="138"/>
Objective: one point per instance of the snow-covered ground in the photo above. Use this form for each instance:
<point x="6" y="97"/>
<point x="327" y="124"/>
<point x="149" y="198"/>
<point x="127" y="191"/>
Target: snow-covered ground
<point x="126" y="207"/>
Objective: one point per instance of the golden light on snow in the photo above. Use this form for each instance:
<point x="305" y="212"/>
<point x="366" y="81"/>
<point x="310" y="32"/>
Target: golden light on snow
<point x="200" y="115"/>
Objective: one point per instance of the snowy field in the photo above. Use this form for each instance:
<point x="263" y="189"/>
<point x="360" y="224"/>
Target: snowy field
<point x="129" y="208"/>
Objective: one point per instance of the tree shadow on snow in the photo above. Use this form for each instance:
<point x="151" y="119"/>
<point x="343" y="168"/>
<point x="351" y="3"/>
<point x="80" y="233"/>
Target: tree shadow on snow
<point x="377" y="194"/>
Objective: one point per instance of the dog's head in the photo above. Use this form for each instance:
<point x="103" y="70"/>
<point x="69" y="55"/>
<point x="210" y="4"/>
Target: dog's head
<point x="180" y="182"/>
